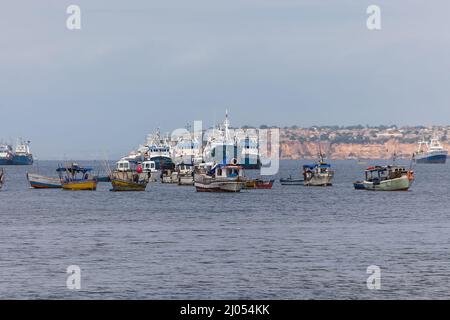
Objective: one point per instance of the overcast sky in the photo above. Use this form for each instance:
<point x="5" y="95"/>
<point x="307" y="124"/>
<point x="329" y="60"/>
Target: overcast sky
<point x="138" y="65"/>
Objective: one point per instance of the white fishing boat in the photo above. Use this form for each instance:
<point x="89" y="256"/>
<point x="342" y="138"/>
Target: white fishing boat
<point x="318" y="174"/>
<point x="185" y="174"/>
<point x="219" y="178"/>
<point x="149" y="168"/>
<point x="126" y="168"/>
<point x="169" y="176"/>
<point x="38" y="181"/>
<point x="220" y="144"/>
<point x="386" y="178"/>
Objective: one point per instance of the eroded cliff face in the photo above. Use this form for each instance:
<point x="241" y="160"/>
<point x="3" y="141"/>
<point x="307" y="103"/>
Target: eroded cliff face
<point x="340" y="151"/>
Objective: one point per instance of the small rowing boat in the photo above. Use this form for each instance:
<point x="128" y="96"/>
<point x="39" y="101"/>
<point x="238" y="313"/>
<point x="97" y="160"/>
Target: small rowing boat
<point x="258" y="184"/>
<point x="292" y="181"/>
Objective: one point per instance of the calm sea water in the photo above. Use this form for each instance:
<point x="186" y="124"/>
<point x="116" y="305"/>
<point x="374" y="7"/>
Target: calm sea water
<point x="291" y="242"/>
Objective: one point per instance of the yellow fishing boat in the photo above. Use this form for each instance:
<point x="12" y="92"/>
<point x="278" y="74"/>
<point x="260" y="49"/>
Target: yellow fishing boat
<point x="74" y="177"/>
<point x="127" y="185"/>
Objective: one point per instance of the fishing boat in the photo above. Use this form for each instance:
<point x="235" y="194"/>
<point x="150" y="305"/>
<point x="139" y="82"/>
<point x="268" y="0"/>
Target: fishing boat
<point x="218" y="178"/>
<point x="258" y="184"/>
<point x="386" y="178"/>
<point x="126" y="168"/>
<point x="128" y="185"/>
<point x="149" y="168"/>
<point x="261" y="184"/>
<point x="42" y="182"/>
<point x="317" y="174"/>
<point x="169" y="176"/>
<point x="432" y="152"/>
<point x="185" y="174"/>
<point x="291" y="181"/>
<point x="75" y="177"/>
<point x="2" y="177"/>
<point x="129" y="176"/>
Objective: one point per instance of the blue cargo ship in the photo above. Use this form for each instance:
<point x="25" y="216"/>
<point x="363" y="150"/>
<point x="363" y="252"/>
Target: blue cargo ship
<point x="21" y="155"/>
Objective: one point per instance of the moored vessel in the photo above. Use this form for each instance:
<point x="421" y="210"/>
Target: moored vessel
<point x="75" y="177"/>
<point x="386" y="178"/>
<point x="22" y="155"/>
<point x="132" y="184"/>
<point x="290" y="181"/>
<point x="318" y="174"/>
<point x="185" y="174"/>
<point x="431" y="152"/>
<point x="219" y="178"/>
<point x="42" y="182"/>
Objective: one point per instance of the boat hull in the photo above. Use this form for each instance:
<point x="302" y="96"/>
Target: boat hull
<point x="292" y="182"/>
<point x="319" y="181"/>
<point x="186" y="180"/>
<point x="398" y="184"/>
<point x="22" y="160"/>
<point x="41" y="182"/>
<point x="219" y="186"/>
<point x="264" y="184"/>
<point x="5" y="162"/>
<point x="439" y="158"/>
<point x="80" y="185"/>
<point x="123" y="185"/>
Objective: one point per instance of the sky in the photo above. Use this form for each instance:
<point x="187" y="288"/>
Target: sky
<point x="137" y="65"/>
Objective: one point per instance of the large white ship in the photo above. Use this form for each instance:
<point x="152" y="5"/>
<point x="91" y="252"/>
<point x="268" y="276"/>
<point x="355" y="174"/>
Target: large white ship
<point x="224" y="144"/>
<point x="220" y="144"/>
<point x="187" y="148"/>
<point x="432" y="152"/>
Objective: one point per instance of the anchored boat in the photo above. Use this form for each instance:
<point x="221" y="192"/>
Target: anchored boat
<point x="219" y="178"/>
<point x="432" y="152"/>
<point x="291" y="181"/>
<point x="42" y="182"/>
<point x="129" y="176"/>
<point x="258" y="184"/>
<point x="75" y="177"/>
<point x="128" y="185"/>
<point x="318" y="174"/>
<point x="185" y="174"/>
<point x="386" y="178"/>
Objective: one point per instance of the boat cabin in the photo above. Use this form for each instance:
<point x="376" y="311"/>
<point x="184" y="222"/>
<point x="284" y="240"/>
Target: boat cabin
<point x="149" y="166"/>
<point x="123" y="165"/>
<point x="227" y="171"/>
<point x="185" y="168"/>
<point x="74" y="172"/>
<point x="381" y="173"/>
<point x="319" y="167"/>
